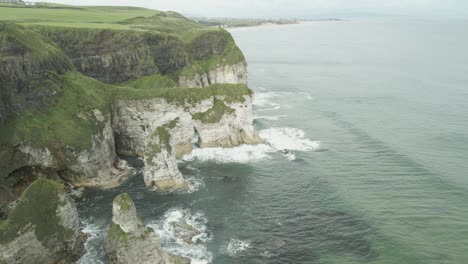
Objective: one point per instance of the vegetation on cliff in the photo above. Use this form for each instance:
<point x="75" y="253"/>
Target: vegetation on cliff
<point x="37" y="209"/>
<point x="214" y="114"/>
<point x="63" y="67"/>
<point x="68" y="122"/>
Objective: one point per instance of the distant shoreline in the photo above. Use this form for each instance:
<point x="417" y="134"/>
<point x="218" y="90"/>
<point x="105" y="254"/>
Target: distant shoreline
<point x="229" y="23"/>
<point x="296" y="22"/>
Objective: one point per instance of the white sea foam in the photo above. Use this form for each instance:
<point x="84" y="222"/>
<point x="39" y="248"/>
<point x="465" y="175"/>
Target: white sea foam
<point x="235" y="246"/>
<point x="266" y="99"/>
<point x="274" y="118"/>
<point x="197" y="251"/>
<point x="282" y="139"/>
<point x="277" y="107"/>
<point x="287" y="138"/>
<point x="308" y="96"/>
<point x="195" y="184"/>
<point x="94" y="244"/>
<point x="241" y="154"/>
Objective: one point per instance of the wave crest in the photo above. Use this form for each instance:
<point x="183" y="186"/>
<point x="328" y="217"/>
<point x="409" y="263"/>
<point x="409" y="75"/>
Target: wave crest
<point x="283" y="139"/>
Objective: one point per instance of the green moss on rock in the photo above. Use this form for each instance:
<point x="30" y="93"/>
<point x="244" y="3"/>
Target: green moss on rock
<point x="124" y="201"/>
<point x="117" y="235"/>
<point x="214" y="114"/>
<point x="37" y="208"/>
<point x="155" y="81"/>
<point x="181" y="96"/>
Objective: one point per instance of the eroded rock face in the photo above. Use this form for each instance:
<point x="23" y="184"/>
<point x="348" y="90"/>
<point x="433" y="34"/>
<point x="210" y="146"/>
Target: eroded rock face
<point x="117" y="56"/>
<point x="158" y="132"/>
<point x="99" y="165"/>
<point x="95" y="166"/>
<point x="43" y="228"/>
<point x="236" y="73"/>
<point x="27" y="82"/>
<point x="128" y="240"/>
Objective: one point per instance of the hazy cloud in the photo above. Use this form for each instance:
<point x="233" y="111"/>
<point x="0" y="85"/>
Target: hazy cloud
<point x="265" y="8"/>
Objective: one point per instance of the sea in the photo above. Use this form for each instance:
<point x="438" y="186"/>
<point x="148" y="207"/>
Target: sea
<point x="366" y="160"/>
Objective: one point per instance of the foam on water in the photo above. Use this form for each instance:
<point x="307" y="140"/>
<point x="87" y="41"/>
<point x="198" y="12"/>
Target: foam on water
<point x="274" y="118"/>
<point x="197" y="251"/>
<point x="282" y="139"/>
<point x="265" y="99"/>
<point x="195" y="184"/>
<point x="242" y="154"/>
<point x="287" y="138"/>
<point x="308" y="96"/>
<point x="94" y="250"/>
<point x="235" y="246"/>
<point x="270" y="109"/>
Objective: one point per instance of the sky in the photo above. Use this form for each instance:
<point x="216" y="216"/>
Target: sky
<point x="296" y="8"/>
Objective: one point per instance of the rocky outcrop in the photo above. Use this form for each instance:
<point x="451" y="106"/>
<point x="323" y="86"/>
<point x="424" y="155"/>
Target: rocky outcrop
<point x="128" y="240"/>
<point x="27" y="81"/>
<point x="43" y="227"/>
<point x="158" y="131"/>
<point x="97" y="165"/>
<point x="114" y="56"/>
<point x="236" y="73"/>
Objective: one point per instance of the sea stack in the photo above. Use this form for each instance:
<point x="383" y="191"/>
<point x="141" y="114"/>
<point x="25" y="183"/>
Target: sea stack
<point x="129" y="240"/>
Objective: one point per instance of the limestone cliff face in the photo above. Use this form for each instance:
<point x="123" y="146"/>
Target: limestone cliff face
<point x="236" y="73"/>
<point x="43" y="228"/>
<point x="159" y="131"/>
<point x="98" y="165"/>
<point x="41" y="92"/>
<point x="128" y="240"/>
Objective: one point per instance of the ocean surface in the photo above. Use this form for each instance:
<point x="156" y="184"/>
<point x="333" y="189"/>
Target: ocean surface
<point x="367" y="161"/>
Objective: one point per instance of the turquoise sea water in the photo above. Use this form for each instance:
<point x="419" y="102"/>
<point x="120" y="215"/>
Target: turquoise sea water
<point x="367" y="123"/>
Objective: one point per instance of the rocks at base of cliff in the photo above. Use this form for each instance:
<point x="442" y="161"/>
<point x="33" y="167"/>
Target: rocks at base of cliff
<point x="128" y="240"/>
<point x="233" y="74"/>
<point x="184" y="231"/>
<point x="43" y="227"/>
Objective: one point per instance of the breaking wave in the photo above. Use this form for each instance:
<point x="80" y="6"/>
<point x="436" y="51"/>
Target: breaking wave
<point x="235" y="246"/>
<point x="283" y="139"/>
<point x="178" y="243"/>
<point x="287" y="138"/>
<point x="266" y="99"/>
<point x="94" y="249"/>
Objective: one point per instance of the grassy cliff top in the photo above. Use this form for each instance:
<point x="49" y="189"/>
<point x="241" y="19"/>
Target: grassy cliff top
<point x="110" y="17"/>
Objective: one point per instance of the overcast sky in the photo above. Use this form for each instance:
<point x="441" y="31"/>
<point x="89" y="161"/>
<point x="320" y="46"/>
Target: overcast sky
<point x="295" y="8"/>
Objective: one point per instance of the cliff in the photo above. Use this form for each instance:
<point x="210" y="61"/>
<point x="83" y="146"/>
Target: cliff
<point x="72" y="99"/>
<point x="77" y="95"/>
<point x="43" y="227"/>
<point x="162" y="128"/>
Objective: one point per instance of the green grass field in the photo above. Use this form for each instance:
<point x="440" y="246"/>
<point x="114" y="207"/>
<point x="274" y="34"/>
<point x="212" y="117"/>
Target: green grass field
<point x="110" y="17"/>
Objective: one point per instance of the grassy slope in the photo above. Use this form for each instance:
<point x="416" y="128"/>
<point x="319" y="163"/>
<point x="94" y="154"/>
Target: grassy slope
<point x="97" y="17"/>
<point x="70" y="120"/>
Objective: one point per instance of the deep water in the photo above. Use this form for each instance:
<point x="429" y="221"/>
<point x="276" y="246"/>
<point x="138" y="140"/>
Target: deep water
<point x="367" y="123"/>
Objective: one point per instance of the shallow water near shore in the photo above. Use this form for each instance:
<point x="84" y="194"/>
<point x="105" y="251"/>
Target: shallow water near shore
<point x="366" y="163"/>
